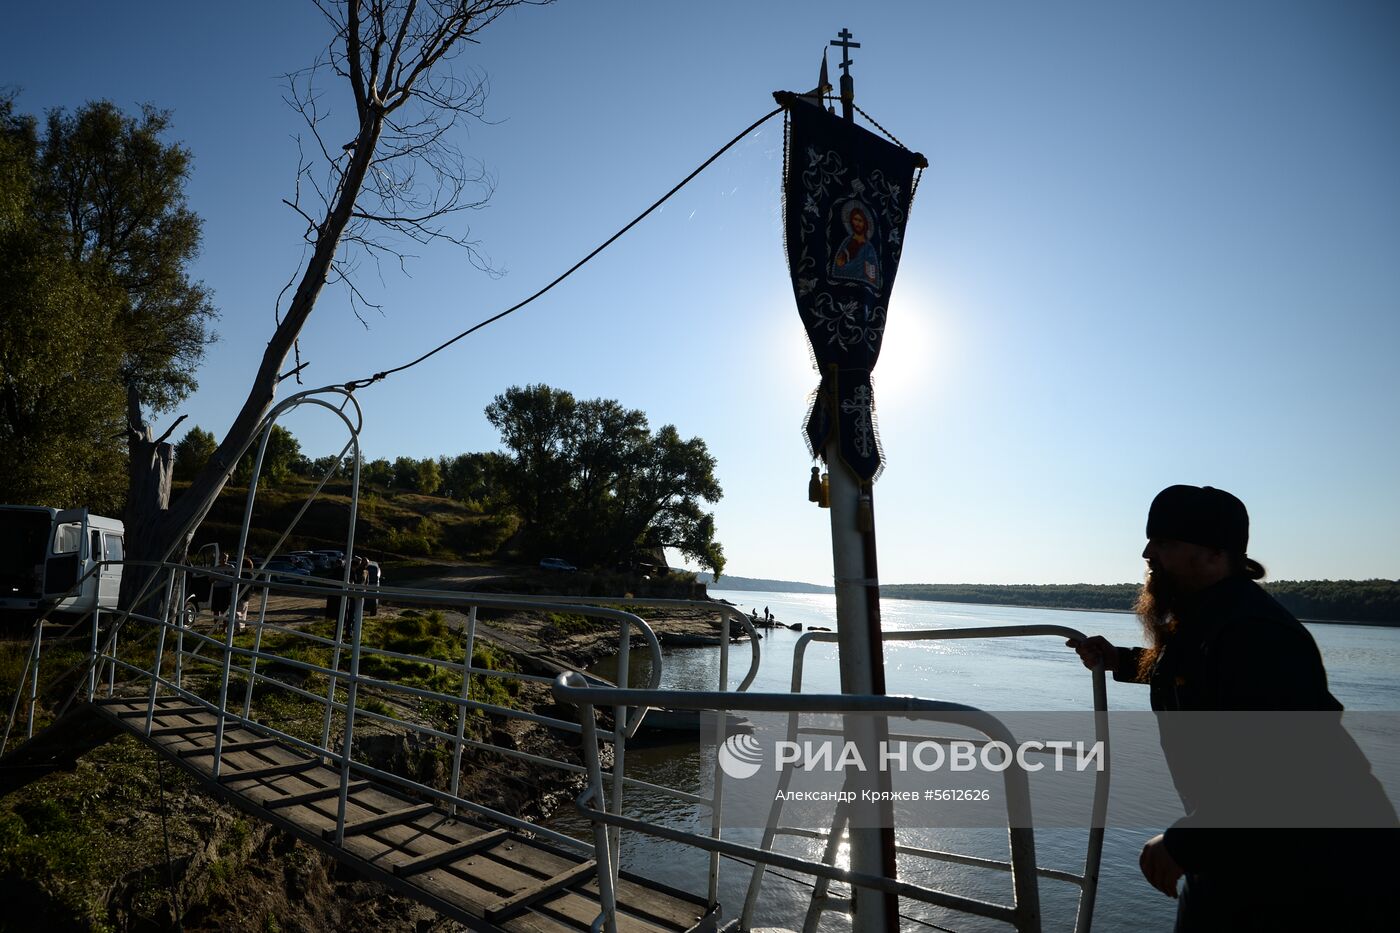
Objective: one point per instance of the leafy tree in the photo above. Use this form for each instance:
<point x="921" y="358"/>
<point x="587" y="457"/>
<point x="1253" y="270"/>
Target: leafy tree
<point x="320" y="466"/>
<point x="592" y="479"/>
<point x="405" y="473"/>
<point x="535" y="424"/>
<point x="193" y="452"/>
<point x="379" y="472"/>
<point x="474" y="478"/>
<point x="61" y="403"/>
<point x="112" y="189"/>
<point x="398" y="176"/>
<point x="283" y="452"/>
<point x="115" y="190"/>
<point x="429" y="477"/>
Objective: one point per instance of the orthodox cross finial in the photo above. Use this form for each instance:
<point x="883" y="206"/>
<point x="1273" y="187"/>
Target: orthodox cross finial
<point x="846" y="45"/>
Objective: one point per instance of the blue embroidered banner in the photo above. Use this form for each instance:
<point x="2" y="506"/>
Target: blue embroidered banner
<point x="847" y="195"/>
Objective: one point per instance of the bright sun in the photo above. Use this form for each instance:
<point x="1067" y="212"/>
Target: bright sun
<point x="910" y="356"/>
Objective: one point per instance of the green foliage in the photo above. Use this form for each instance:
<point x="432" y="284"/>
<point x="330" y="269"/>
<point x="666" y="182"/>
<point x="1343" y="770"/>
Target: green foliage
<point x="70" y="834"/>
<point x="1337" y="600"/>
<point x="420" y="539"/>
<point x="429" y="478"/>
<point x="383" y="523"/>
<point x="497" y="691"/>
<point x="377" y="472"/>
<point x="475" y="479"/>
<point x="1340" y="600"/>
<point x="193" y="452"/>
<point x="1116" y="596"/>
<point x="283" y="452"/>
<point x="115" y="191"/>
<point x="98" y="317"/>
<point x="405" y="473"/>
<point x="564" y="624"/>
<point x="61" y="398"/>
<point x="590" y="478"/>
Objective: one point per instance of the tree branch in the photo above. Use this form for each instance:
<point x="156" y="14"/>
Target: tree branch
<point x="170" y="430"/>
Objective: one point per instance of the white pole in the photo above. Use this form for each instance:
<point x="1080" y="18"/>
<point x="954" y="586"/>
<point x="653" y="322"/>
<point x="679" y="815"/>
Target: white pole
<point x="862" y="672"/>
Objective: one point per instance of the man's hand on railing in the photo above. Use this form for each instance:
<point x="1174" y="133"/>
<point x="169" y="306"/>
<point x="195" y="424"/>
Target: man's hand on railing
<point x="1095" y="650"/>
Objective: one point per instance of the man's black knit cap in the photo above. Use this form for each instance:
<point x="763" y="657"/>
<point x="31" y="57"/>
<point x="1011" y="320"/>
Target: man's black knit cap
<point x="1200" y="515"/>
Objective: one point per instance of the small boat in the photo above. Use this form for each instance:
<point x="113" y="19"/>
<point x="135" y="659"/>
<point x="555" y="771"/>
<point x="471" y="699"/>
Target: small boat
<point x="689" y="721"/>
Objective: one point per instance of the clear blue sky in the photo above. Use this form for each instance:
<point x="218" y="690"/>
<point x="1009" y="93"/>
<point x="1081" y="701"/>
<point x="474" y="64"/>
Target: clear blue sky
<point x="1157" y="243"/>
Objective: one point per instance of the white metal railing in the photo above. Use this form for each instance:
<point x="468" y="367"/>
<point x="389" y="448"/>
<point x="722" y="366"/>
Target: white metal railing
<point x="1023" y="914"/>
<point x="1087" y="882"/>
<point x="572" y="688"/>
<point x="217" y="653"/>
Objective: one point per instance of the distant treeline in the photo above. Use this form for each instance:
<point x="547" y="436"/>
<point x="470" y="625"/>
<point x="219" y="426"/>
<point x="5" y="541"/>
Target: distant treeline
<point x="1116" y="596"/>
<point x="731" y="582"/>
<point x="1371" y="601"/>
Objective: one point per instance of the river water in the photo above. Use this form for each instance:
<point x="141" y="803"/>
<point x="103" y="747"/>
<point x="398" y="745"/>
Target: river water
<point x="1037" y="673"/>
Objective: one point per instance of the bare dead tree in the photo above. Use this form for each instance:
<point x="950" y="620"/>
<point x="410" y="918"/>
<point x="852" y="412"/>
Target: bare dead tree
<point x="399" y="179"/>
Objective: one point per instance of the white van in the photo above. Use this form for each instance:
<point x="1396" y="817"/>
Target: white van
<point x="44" y="551"/>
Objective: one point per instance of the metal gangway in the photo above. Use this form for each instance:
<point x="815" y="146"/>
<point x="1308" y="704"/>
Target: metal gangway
<point x="190" y="689"/>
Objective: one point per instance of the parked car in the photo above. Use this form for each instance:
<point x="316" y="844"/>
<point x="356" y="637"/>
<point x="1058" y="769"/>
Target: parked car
<point x="317" y="561"/>
<point x="556" y="563"/>
<point x="284" y="564"/>
<point x="299" y="561"/>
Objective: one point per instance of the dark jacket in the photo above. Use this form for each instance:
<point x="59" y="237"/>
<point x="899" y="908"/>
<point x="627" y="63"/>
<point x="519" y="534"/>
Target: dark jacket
<point x="1236" y="651"/>
<point x="1235" y="648"/>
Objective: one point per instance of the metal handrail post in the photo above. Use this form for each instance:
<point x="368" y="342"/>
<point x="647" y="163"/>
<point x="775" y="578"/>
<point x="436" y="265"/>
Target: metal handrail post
<point x="1088" y="891"/>
<point x="170" y="607"/>
<point x="602" y="851"/>
<point x="257" y="652"/>
<point x="347" y="746"/>
<point x="344" y="600"/>
<point x="229" y="623"/>
<point x="462" y="710"/>
<point x="92" y="662"/>
<point x="180" y="630"/>
<point x="34" y="682"/>
<point x="112" y="663"/>
<point x="717" y="808"/>
<point x="620" y="739"/>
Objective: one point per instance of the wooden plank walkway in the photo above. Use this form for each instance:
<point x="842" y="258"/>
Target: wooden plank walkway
<point x="483" y="876"/>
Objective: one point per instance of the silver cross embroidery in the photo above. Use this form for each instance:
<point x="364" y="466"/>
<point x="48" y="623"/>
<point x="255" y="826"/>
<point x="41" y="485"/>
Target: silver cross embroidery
<point x="859" y="405"/>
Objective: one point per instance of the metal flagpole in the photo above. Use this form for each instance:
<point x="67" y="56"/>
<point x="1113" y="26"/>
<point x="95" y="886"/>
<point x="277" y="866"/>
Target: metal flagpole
<point x="853" y="555"/>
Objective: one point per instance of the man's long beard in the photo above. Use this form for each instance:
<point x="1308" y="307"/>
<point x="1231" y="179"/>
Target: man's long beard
<point x="1155" y="609"/>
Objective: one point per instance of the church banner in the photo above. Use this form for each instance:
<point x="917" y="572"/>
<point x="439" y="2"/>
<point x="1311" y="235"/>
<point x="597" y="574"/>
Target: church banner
<point x="847" y="195"/>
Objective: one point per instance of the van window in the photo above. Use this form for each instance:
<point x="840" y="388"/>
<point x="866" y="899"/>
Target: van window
<point x="95" y="549"/>
<point x="114" y="546"/>
<point x="66" y="538"/>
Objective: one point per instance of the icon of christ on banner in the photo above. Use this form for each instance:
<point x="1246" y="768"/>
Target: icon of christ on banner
<point x="856" y="259"/>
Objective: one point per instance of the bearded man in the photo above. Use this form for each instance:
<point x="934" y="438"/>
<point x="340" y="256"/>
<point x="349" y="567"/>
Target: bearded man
<point x="1216" y="641"/>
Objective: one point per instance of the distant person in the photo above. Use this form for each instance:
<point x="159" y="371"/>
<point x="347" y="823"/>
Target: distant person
<point x="374" y="577"/>
<point x="1216" y="641"/>
<point x="359" y="576"/>
<point x="220" y="591"/>
<point x="242" y="613"/>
